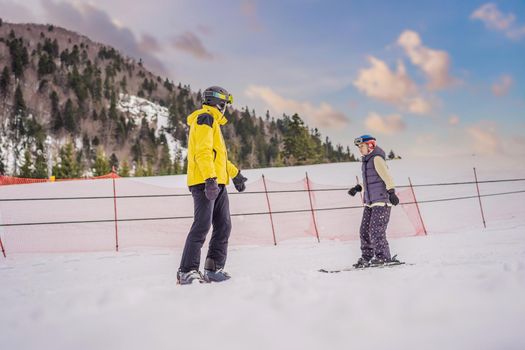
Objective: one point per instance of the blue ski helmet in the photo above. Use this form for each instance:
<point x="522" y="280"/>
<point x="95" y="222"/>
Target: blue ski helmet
<point x="364" y="139"/>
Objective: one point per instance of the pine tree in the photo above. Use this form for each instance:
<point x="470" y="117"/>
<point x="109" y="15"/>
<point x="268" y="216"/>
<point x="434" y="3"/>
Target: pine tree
<point x="140" y="171"/>
<point x="113" y="108"/>
<point x="124" y="84"/>
<point x="101" y="166"/>
<point x="67" y="167"/>
<point x="46" y="65"/>
<point x="299" y="147"/>
<point x="51" y="47"/>
<point x="19" y="104"/>
<point x="2" y="165"/>
<point x="149" y="168"/>
<point x="113" y="162"/>
<point x="56" y="118"/>
<point x="107" y="87"/>
<point x="177" y="167"/>
<point x="5" y="81"/>
<point x="26" y="169"/>
<point x="19" y="113"/>
<point x="69" y="117"/>
<point x="19" y="55"/>
<point x="391" y="155"/>
<point x="40" y="168"/>
<point x="165" y="165"/>
<point x="185" y="166"/>
<point x="76" y="82"/>
<point x="124" y="170"/>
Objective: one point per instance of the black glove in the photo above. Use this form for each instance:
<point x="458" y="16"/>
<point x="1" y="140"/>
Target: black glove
<point x="394" y="199"/>
<point x="239" y="181"/>
<point x="211" y="189"/>
<point x="355" y="189"/>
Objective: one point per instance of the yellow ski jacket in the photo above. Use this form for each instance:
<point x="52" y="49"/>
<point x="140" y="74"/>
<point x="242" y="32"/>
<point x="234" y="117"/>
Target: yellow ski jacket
<point x="207" y="154"/>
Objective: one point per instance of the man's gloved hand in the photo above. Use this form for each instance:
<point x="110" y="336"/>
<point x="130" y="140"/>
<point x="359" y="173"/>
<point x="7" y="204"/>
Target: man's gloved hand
<point x="239" y="181"/>
<point x="211" y="189"/>
<point x="355" y="189"/>
<point x="394" y="199"/>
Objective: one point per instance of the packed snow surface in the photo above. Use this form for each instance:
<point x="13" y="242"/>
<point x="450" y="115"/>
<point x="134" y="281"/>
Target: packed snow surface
<point x="465" y="289"/>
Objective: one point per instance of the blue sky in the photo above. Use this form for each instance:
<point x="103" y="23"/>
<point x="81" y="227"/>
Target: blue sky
<point x="424" y="77"/>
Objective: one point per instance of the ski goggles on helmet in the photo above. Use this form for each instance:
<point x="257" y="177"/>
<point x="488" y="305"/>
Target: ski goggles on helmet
<point x="362" y="139"/>
<point x="226" y="98"/>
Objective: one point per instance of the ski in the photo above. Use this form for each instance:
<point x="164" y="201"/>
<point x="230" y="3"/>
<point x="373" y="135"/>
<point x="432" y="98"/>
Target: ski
<point x="397" y="263"/>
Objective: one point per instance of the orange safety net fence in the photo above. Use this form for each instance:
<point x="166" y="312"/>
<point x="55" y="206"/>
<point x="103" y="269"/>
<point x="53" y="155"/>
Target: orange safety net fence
<point x="133" y="213"/>
<point x="13" y="180"/>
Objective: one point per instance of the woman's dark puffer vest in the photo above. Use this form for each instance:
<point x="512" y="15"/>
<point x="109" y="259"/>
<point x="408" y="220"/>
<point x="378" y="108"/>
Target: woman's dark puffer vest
<point x="375" y="187"/>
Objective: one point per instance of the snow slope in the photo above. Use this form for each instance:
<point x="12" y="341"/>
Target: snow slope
<point x="465" y="290"/>
<point x="138" y="108"/>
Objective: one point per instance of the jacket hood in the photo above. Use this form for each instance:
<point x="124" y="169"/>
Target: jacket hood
<point x="377" y="151"/>
<point x="217" y="115"/>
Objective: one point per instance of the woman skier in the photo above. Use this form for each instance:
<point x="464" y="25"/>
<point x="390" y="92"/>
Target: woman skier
<point x="379" y="196"/>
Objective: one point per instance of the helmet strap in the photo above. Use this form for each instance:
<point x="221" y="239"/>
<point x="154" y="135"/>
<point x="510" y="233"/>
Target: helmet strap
<point x="223" y="109"/>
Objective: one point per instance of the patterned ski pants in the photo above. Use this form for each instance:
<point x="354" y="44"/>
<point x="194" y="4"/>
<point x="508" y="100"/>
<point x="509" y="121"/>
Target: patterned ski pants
<point x="373" y="232"/>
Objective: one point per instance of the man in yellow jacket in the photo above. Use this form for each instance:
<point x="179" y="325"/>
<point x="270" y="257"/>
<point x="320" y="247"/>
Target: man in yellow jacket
<point x="209" y="171"/>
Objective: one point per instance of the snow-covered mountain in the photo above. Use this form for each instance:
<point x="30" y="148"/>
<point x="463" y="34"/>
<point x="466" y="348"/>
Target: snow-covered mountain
<point x="157" y="116"/>
<point x="60" y="84"/>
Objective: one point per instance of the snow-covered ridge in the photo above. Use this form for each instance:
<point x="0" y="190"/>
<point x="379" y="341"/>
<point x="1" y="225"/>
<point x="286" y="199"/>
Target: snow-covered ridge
<point x="12" y="152"/>
<point x="156" y="115"/>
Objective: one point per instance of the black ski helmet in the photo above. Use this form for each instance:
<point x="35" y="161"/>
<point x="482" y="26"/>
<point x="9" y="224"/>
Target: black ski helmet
<point x="216" y="96"/>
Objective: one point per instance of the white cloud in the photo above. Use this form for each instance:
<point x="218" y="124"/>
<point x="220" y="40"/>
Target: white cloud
<point x="191" y="43"/>
<point x="419" y="105"/>
<point x="396" y="87"/>
<point x="434" y="63"/>
<point x="15" y="12"/>
<point x="382" y="83"/>
<point x="149" y="43"/>
<point x="502" y="86"/>
<point x="425" y="139"/>
<point x="496" y="20"/>
<point x="518" y="142"/>
<point x="99" y="25"/>
<point x="250" y="12"/>
<point x="323" y="115"/>
<point x="387" y="125"/>
<point x="484" y="137"/>
<point x="453" y="120"/>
